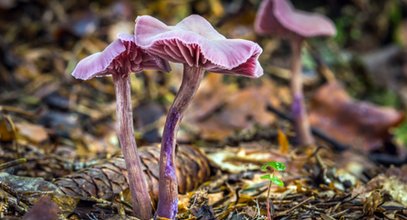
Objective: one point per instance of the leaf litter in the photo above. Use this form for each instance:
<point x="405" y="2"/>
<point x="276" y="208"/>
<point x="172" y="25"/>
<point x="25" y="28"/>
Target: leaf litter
<point x="60" y="151"/>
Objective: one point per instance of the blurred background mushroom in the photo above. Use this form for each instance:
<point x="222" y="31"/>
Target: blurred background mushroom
<point x="280" y="19"/>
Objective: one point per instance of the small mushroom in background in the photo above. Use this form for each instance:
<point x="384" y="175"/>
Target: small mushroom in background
<point x="119" y="59"/>
<point x="199" y="47"/>
<point x="279" y="18"/>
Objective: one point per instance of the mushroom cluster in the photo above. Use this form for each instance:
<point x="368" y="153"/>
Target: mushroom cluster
<point x="195" y="44"/>
<point x="199" y="47"/>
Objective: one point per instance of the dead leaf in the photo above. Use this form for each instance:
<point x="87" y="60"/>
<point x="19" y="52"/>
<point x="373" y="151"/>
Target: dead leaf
<point x="219" y="110"/>
<point x="211" y="95"/>
<point x="356" y="123"/>
<point x="7" y="128"/>
<point x="244" y="158"/>
<point x="284" y="146"/>
<point x="31" y="132"/>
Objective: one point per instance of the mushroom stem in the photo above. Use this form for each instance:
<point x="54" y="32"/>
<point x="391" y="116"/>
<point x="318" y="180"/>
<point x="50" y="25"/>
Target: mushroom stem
<point x="298" y="108"/>
<point x="168" y="186"/>
<point x="137" y="182"/>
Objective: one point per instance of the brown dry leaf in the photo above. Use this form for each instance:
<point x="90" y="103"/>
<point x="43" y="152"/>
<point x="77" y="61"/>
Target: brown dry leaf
<point x="356" y="123"/>
<point x="248" y="106"/>
<point x="211" y="95"/>
<point x="7" y="128"/>
<point x="244" y="158"/>
<point x="31" y="132"/>
<point x="284" y="146"/>
<point x="44" y="209"/>
<point x="219" y="110"/>
<point x="227" y="160"/>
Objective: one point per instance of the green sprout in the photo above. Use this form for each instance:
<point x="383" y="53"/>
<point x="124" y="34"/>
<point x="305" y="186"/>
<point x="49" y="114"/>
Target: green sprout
<point x="271" y="167"/>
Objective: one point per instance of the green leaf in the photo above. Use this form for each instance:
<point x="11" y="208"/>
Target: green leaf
<point x="277" y="181"/>
<point x="277" y="165"/>
<point x="264" y="167"/>
<point x="266" y="177"/>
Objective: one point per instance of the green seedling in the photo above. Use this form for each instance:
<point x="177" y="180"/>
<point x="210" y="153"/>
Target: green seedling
<point x="271" y="168"/>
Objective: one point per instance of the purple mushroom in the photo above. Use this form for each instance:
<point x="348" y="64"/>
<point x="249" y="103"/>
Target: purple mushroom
<point x="199" y="47"/>
<point x="279" y="18"/>
<point x="119" y="59"/>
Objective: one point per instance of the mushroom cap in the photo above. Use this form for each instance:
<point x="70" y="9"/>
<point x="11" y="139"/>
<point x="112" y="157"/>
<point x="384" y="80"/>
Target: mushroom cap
<point x="194" y="42"/>
<point x="280" y="18"/>
<point x="120" y="57"/>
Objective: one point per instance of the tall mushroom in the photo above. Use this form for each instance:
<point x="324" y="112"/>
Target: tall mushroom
<point x="279" y="18"/>
<point x="120" y="58"/>
<point x="199" y="47"/>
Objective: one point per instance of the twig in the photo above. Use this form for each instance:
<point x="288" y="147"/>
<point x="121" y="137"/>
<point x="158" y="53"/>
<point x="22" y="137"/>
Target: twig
<point x="388" y="159"/>
<point x="296" y="206"/>
<point x="12" y="163"/>
<point x="13" y="109"/>
<point x="338" y="214"/>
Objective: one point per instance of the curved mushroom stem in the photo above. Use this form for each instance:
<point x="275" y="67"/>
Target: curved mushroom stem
<point x="298" y="108"/>
<point x="168" y="186"/>
<point x="137" y="182"/>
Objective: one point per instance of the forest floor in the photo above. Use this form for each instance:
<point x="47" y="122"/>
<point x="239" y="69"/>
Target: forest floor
<point x="59" y="153"/>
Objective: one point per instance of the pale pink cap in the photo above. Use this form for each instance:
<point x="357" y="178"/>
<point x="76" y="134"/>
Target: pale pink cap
<point x="194" y="42"/>
<point x="280" y="18"/>
<point x="120" y="57"/>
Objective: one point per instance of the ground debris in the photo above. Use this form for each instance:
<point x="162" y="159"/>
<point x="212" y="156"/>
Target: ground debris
<point x="58" y="138"/>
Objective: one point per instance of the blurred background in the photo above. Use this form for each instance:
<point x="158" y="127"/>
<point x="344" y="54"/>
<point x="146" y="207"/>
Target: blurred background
<point x="60" y="124"/>
<point x="42" y="41"/>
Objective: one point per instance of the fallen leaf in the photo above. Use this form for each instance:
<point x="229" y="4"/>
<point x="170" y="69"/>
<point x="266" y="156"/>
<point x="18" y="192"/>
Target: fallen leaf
<point x="7" y="128"/>
<point x="219" y="110"/>
<point x="244" y="158"/>
<point x="31" y="132"/>
<point x="357" y="123"/>
<point x="284" y="146"/>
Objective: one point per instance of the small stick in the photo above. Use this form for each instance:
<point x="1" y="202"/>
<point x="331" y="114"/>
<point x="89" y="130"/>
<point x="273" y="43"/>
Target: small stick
<point x="296" y="206"/>
<point x="12" y="163"/>
<point x="13" y="109"/>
